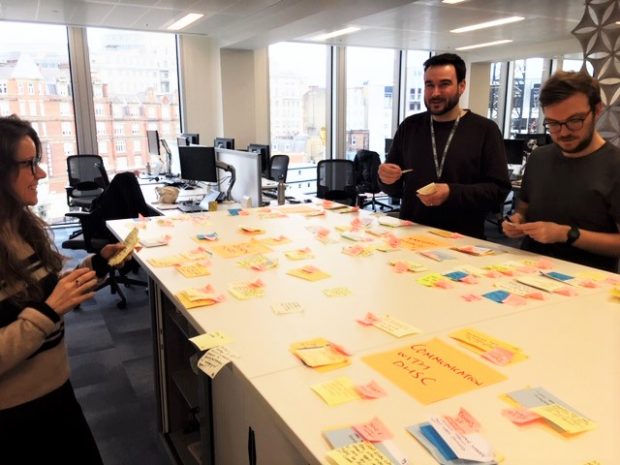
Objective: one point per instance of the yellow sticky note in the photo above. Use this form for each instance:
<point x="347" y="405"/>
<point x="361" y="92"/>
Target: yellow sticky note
<point x="240" y="249"/>
<point x="359" y="453"/>
<point x="171" y="260"/>
<point x="432" y="370"/>
<point x="337" y="391"/>
<point x="309" y="273"/>
<point x="196" y="254"/>
<point x="284" y="308"/>
<point x="189" y="298"/>
<point x="299" y="254"/>
<point x="337" y="292"/>
<point x="276" y="240"/>
<point x="395" y="327"/>
<point x="193" y="270"/>
<point x="130" y="243"/>
<point x="251" y="230"/>
<point x="421" y="242"/>
<point x="479" y="342"/>
<point x="246" y="290"/>
<point x="320" y="356"/>
<point x="211" y="339"/>
<point x="429" y="280"/>
<point x="258" y="262"/>
<point x="568" y="420"/>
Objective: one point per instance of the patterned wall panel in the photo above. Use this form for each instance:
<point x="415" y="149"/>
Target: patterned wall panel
<point x="598" y="33"/>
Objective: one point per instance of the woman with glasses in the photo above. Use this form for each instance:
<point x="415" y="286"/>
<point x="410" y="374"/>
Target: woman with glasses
<point x="40" y="419"/>
<point x="569" y="204"/>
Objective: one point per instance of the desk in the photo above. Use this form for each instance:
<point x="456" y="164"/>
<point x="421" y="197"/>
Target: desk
<point x="572" y="344"/>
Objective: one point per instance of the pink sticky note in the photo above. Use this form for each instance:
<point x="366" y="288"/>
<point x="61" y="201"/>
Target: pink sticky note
<point x="588" y="283"/>
<point x="544" y="264"/>
<point x="371" y="390"/>
<point x="256" y="284"/>
<point x="492" y="274"/>
<point x="244" y="213"/>
<point x="394" y="242"/>
<point x="339" y="348"/>
<point x="373" y="431"/>
<point x="514" y="300"/>
<point x="498" y="355"/>
<point x="612" y="280"/>
<point x="535" y="296"/>
<point x="369" y="320"/>
<point x="469" y="279"/>
<point x="467" y="422"/>
<point x="566" y="291"/>
<point x="520" y="415"/>
<point x="401" y="267"/>
<point x="470" y="297"/>
<point x="443" y="284"/>
<point x="356" y="224"/>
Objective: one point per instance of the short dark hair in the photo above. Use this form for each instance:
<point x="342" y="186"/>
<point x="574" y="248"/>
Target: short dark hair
<point x="448" y="59"/>
<point x="564" y="84"/>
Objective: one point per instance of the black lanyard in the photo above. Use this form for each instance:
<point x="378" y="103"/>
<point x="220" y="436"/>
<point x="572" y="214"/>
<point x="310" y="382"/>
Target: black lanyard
<point x="438" y="164"/>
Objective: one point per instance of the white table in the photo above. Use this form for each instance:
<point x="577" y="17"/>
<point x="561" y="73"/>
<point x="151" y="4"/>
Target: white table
<point x="572" y="343"/>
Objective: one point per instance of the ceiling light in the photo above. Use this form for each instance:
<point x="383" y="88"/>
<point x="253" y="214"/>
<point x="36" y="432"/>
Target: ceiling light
<point x="339" y="32"/>
<point x="184" y="21"/>
<point x="485" y="44"/>
<point x="497" y="22"/>
<point x="452" y="2"/>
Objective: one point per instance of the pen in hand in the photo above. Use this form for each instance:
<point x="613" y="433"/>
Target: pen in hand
<point x="406" y="171"/>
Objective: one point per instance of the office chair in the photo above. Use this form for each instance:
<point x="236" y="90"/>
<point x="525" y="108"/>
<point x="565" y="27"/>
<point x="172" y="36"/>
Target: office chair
<point x="122" y="199"/>
<point x="366" y="164"/>
<point x="87" y="180"/>
<point x="278" y="167"/>
<point x="335" y="180"/>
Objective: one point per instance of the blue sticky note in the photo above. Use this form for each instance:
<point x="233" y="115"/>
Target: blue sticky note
<point x="456" y="275"/>
<point x="559" y="276"/>
<point x="497" y="296"/>
<point x="206" y="236"/>
<point x="234" y="211"/>
<point x="436" y="440"/>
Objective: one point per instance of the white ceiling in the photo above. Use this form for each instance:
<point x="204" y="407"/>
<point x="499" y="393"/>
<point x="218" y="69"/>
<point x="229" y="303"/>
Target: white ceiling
<point x="421" y="24"/>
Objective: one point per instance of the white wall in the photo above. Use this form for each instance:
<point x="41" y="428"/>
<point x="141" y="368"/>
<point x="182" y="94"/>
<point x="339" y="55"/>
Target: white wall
<point x="479" y="77"/>
<point x="201" y="87"/>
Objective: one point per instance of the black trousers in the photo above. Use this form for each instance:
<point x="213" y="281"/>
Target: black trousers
<point x="50" y="429"/>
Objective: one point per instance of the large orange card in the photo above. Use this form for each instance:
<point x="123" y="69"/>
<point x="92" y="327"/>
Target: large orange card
<point x="432" y="370"/>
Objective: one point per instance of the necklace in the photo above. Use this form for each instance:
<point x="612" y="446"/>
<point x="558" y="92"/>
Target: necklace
<point x="439" y="165"/>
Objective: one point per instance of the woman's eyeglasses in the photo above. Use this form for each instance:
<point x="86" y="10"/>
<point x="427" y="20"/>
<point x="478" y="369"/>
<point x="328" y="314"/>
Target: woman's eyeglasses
<point x="33" y="164"/>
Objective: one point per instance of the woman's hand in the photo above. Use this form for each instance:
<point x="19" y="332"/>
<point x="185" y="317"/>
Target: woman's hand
<point x="72" y="289"/>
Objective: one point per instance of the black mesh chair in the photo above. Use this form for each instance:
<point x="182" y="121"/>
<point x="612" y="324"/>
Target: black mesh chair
<point x="87" y="179"/>
<point x="366" y="164"/>
<point x="335" y="180"/>
<point x="122" y="199"/>
<point x="278" y="167"/>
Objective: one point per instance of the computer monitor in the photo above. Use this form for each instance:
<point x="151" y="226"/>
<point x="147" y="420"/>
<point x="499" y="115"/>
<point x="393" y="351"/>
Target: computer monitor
<point x="247" y="169"/>
<point x="193" y="138"/>
<point x="197" y="163"/>
<point x="514" y="151"/>
<point x="224" y="143"/>
<point x="265" y="154"/>
<point x="541" y="139"/>
<point x="152" y="140"/>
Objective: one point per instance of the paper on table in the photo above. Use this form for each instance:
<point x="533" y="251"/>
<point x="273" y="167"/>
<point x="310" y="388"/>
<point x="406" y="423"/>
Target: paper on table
<point x="337" y="391"/>
<point x="360" y="453"/>
<point x="309" y="273"/>
<point x="564" y="418"/>
<point x="240" y="248"/>
<point x="258" y="262"/>
<point x="467" y="447"/>
<point x="171" y="260"/>
<point x="197" y="254"/>
<point x="299" y="254"/>
<point x="193" y="270"/>
<point x="337" y="292"/>
<point x="130" y="243"/>
<point x="480" y="342"/>
<point x="373" y="431"/>
<point x="210" y="340"/>
<point x="247" y="289"/>
<point x="395" y="327"/>
<point x="284" y="308"/>
<point x="432" y="370"/>
<point x="421" y="242"/>
<point x="215" y="359"/>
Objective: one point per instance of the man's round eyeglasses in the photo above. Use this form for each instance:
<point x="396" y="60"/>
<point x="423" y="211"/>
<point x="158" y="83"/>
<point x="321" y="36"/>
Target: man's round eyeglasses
<point x="572" y="124"/>
<point x="33" y="164"/>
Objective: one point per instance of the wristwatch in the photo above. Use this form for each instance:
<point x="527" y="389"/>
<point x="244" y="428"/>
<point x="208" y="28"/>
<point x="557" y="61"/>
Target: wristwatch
<point x="572" y="235"/>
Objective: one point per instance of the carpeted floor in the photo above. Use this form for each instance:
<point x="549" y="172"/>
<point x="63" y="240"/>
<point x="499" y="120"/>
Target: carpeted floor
<point x="111" y="357"/>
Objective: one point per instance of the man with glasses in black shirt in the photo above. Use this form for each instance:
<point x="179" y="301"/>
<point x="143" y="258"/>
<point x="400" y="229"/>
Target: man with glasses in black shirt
<point x="569" y="204"/>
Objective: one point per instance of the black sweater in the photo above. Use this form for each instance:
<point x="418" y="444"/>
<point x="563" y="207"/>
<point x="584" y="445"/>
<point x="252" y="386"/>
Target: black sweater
<point x="475" y="170"/>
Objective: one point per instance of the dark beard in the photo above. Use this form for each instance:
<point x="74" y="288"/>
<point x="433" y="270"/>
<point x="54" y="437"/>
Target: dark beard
<point x="582" y="145"/>
<point x="450" y="104"/>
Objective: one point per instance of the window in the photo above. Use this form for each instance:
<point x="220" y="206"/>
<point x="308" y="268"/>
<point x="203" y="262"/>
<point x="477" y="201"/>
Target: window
<point x="370" y="84"/>
<point x="120" y="146"/>
<point x="414" y="82"/>
<point x="135" y="73"/>
<point x="103" y="147"/>
<point x="494" y="92"/>
<point x="99" y="110"/>
<point x="68" y="149"/>
<point x="65" y="109"/>
<point x="42" y="50"/>
<point x="67" y="129"/>
<point x="527" y="77"/>
<point x="298" y="100"/>
<point x="137" y="146"/>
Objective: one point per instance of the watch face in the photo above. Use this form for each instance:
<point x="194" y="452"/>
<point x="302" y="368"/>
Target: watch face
<point x="573" y="235"/>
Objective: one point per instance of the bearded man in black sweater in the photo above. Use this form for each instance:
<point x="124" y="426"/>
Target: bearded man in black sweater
<point x="460" y="152"/>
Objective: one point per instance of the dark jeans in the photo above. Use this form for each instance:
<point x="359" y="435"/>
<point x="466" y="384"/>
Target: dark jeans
<point x="50" y="429"/>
